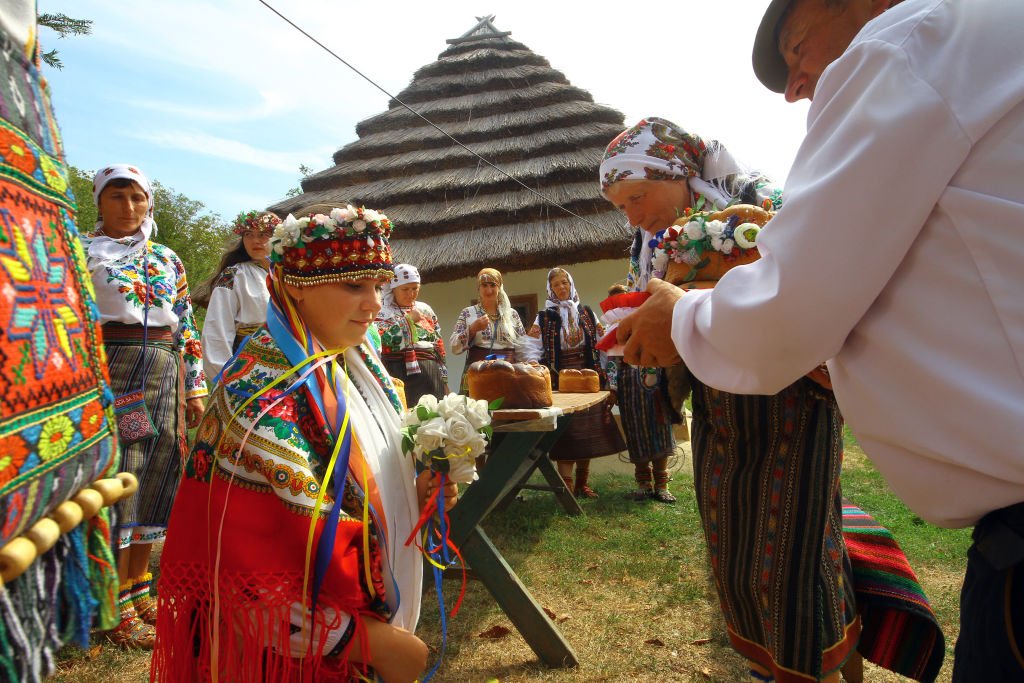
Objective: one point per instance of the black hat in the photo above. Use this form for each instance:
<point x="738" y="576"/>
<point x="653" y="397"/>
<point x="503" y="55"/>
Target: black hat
<point x="769" y="66"/>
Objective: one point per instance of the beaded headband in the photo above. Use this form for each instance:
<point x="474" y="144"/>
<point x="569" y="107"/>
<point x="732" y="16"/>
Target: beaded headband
<point x="254" y="221"/>
<point x="349" y="244"/>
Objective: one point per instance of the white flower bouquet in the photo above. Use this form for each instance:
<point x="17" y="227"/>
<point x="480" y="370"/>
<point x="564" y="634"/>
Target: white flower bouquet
<point x="447" y="436"/>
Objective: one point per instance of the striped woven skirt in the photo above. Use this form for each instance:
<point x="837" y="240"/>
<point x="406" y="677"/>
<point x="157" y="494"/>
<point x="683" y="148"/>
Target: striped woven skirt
<point x="156" y="462"/>
<point x="766" y="470"/>
<point x="431" y="379"/>
<point x="590" y="433"/>
<point x="647" y="414"/>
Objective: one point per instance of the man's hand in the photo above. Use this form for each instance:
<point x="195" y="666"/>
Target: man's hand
<point x="647" y="333"/>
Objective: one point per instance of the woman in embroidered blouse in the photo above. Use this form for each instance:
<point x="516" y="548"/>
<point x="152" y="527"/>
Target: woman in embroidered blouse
<point x="251" y="579"/>
<point x="568" y="332"/>
<point x="411" y="344"/>
<point x="152" y="343"/>
<point x="488" y="328"/>
<point x="236" y="294"/>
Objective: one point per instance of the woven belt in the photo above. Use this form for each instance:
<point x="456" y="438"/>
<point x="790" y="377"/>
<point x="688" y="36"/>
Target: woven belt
<point x="246" y="330"/>
<point x="119" y="332"/>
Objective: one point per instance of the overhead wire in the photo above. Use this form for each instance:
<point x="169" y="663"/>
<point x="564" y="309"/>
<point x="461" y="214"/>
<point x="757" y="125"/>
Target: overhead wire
<point x="433" y="125"/>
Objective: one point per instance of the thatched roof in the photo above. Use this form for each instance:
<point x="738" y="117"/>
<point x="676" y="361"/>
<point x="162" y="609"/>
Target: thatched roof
<point x="456" y="214"/>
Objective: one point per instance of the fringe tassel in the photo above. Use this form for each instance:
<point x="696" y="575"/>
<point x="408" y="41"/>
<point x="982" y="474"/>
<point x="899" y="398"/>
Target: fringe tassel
<point x="28" y="618"/>
<point x="77" y="602"/>
<point x="103" y="571"/>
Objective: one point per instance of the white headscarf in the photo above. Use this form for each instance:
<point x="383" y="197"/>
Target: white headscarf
<point x="404" y="275"/>
<point x="103" y="249"/>
<point x="566" y="307"/>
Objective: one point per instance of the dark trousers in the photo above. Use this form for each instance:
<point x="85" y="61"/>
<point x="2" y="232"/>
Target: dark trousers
<point x="990" y="648"/>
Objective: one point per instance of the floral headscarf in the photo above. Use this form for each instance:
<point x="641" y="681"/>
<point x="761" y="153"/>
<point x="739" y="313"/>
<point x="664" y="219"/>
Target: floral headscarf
<point x="657" y="149"/>
<point x="104" y="249"/>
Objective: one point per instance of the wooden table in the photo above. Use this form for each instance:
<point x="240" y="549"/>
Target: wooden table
<point x="527" y="437"/>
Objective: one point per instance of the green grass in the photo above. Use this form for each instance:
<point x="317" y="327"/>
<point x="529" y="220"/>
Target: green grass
<point x="629" y="586"/>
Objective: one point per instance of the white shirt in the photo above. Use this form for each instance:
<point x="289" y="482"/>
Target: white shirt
<point x="899" y="254"/>
<point x="239" y="299"/>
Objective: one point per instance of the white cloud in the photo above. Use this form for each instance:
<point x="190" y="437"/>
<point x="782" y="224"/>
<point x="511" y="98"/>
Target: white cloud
<point x="232" y="150"/>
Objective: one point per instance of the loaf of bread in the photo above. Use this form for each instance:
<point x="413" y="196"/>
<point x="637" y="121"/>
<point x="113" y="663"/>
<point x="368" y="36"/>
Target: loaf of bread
<point x="699" y="258"/>
<point x="521" y="385"/>
<point x="583" y="381"/>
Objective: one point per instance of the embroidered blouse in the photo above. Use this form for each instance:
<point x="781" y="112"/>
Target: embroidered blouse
<point x="398" y="332"/>
<point x="460" y="340"/>
<point x="239" y="299"/>
<point x="121" y="286"/>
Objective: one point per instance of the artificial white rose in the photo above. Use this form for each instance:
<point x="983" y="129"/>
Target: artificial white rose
<point x="462" y="468"/>
<point x="716" y="243"/>
<point x="431" y="434"/>
<point x="451" y="405"/>
<point x="359" y="225"/>
<point x="348" y="213"/>
<point x="694" y="230"/>
<point x="714" y="228"/>
<point x="428" y="401"/>
<point x="371" y="216"/>
<point x="477" y="413"/>
<point x="410" y="418"/>
<point x="727" y="246"/>
<point x="320" y="219"/>
<point x="338" y="215"/>
<point x="460" y="431"/>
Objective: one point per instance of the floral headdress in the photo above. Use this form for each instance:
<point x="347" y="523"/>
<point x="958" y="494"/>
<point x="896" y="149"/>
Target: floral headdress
<point x="256" y="221"/>
<point x="348" y="244"/>
<point x="690" y="242"/>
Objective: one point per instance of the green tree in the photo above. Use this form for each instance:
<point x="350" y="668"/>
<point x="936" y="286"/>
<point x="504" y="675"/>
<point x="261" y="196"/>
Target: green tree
<point x="305" y="171"/>
<point x="183" y="224"/>
<point x="64" y="26"/>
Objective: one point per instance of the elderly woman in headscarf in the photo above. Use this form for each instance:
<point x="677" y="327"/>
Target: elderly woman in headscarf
<point x="568" y="331"/>
<point x="766" y="468"/>
<point x="488" y="328"/>
<point x="410" y="335"/>
<point x="235" y="295"/>
<point x="152" y="344"/>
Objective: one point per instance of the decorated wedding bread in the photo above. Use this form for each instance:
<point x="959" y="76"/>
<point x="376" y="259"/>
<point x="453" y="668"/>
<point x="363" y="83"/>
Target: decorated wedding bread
<point x="583" y="381"/>
<point x="520" y="385"/>
<point x="702" y="246"/>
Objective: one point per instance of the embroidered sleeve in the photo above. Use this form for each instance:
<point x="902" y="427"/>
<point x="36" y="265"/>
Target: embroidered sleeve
<point x="430" y="320"/>
<point x="460" y="334"/>
<point x="389" y="325"/>
<point x="187" y="336"/>
<point x="517" y="324"/>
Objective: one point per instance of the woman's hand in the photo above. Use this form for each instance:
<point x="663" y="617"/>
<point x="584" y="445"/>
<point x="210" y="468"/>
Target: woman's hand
<point x="395" y="654"/>
<point x="414" y="315"/>
<point x="821" y="376"/>
<point x="479" y="325"/>
<point x="534" y="331"/>
<point x="426" y="487"/>
<point x="194" y="409"/>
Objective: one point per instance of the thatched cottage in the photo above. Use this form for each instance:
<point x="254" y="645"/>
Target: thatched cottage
<point x="488" y="158"/>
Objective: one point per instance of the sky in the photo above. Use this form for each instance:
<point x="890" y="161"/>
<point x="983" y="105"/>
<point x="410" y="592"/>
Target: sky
<point x="223" y="101"/>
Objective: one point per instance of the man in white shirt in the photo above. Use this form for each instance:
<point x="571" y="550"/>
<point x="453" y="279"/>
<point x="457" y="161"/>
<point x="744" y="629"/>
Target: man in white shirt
<point x="900" y="255"/>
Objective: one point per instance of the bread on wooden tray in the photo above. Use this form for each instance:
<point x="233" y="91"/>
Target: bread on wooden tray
<point x="584" y="381"/>
<point x="521" y="385"/>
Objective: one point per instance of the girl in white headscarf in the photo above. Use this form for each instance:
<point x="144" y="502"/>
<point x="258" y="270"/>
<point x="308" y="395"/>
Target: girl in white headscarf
<point x="412" y="347"/>
<point x="568" y="332"/>
<point x="488" y="328"/>
<point x="152" y="344"/>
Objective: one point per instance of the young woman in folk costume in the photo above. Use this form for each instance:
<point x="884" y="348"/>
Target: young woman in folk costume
<point x="236" y="294"/>
<point x="766" y="468"/>
<point x="287" y="557"/>
<point x="490" y="328"/>
<point x="568" y="332"/>
<point x="411" y="344"/>
<point x="152" y="343"/>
